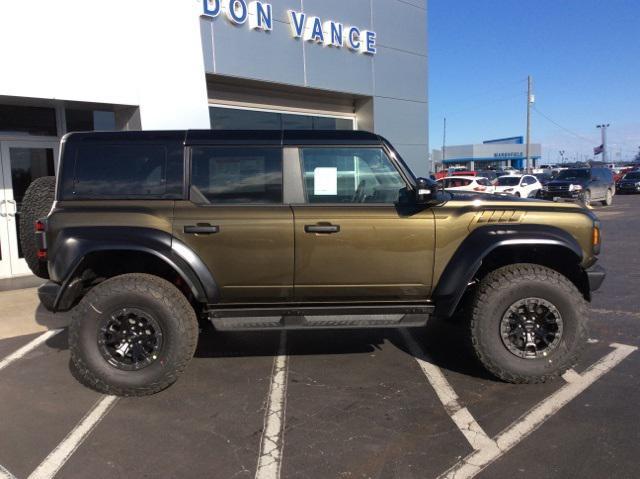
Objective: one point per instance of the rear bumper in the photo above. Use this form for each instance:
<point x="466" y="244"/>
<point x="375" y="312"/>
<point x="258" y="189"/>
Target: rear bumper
<point x="596" y="275"/>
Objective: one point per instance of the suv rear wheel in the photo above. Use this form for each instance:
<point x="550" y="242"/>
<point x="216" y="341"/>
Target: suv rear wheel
<point x="608" y="199"/>
<point x="528" y="323"/>
<point x="132" y="335"/>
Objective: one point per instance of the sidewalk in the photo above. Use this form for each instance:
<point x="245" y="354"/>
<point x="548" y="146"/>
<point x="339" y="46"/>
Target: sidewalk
<point x="22" y="314"/>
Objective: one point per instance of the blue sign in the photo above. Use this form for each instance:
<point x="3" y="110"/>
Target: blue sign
<point x="259" y="16"/>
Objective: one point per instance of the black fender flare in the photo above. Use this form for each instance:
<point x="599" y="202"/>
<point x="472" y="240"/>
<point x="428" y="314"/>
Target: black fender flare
<point x="73" y="245"/>
<point x="468" y="258"/>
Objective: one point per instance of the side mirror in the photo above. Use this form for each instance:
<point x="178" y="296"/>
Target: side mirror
<point x="426" y="190"/>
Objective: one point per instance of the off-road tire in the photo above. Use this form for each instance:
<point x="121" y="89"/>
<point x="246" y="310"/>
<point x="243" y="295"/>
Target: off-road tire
<point x="608" y="199"/>
<point x="36" y="204"/>
<point x="168" y="306"/>
<point x="506" y="285"/>
<point x="586" y="198"/>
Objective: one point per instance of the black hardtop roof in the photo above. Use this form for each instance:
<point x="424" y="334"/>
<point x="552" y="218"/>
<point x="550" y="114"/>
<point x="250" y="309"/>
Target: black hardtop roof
<point x="236" y="137"/>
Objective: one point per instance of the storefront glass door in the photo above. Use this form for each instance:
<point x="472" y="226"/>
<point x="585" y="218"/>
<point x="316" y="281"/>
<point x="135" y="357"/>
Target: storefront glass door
<point x="21" y="162"/>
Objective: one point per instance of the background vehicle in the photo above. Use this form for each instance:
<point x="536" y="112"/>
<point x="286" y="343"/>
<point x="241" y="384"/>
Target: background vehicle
<point x="475" y="184"/>
<point x="630" y="183"/>
<point x="583" y="184"/>
<point x="152" y="232"/>
<point x="491" y="175"/>
<point x="524" y="186"/>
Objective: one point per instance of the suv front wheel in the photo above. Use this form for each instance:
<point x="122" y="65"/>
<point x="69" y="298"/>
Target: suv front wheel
<point x="528" y="323"/>
<point x="132" y="335"/>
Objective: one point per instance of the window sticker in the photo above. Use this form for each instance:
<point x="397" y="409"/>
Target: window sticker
<point x="325" y="181"/>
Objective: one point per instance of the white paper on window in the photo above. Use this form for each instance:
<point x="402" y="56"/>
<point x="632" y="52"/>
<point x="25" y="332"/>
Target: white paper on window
<point x="325" y="181"/>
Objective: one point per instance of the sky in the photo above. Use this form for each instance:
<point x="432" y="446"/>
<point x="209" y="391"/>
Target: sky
<point x="583" y="56"/>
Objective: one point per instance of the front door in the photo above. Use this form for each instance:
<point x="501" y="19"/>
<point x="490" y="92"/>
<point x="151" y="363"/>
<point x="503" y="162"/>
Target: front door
<point x="236" y="222"/>
<point x="21" y="162"/>
<point x="354" y="242"/>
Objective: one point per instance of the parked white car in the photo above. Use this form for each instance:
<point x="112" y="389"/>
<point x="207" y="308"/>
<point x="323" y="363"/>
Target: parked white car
<point x="524" y="186"/>
<point x="474" y="184"/>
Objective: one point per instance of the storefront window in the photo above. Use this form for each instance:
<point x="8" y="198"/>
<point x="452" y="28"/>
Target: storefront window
<point x="28" y="120"/>
<point x="90" y="120"/>
<point x="237" y="119"/>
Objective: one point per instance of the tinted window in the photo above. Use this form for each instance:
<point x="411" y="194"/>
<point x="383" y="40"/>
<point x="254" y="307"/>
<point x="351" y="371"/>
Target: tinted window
<point x="574" y="174"/>
<point x="28" y="119"/>
<point x="90" y="120"/>
<point x="127" y="171"/>
<point x="237" y="175"/>
<point x="456" y="182"/>
<point x="632" y="176"/>
<point x="237" y="119"/>
<point x="509" y="181"/>
<point x="350" y="175"/>
<point x="603" y="174"/>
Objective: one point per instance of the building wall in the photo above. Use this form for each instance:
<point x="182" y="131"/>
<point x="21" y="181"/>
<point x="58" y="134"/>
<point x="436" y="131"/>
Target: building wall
<point x="118" y="52"/>
<point x="394" y="80"/>
<point x="150" y="54"/>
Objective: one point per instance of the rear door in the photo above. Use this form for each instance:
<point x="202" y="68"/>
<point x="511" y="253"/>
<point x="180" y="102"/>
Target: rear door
<point x="236" y="221"/>
<point x="354" y="239"/>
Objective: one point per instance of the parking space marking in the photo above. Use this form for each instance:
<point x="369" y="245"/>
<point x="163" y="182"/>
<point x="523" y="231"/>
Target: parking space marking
<point x="461" y="416"/>
<point x="59" y="456"/>
<point x="27" y="348"/>
<point x="4" y="474"/>
<point x="475" y="462"/>
<point x="272" y="441"/>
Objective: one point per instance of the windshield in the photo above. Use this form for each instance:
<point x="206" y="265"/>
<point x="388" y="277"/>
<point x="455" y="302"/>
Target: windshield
<point x="509" y="181"/>
<point x="632" y="176"/>
<point x="574" y="175"/>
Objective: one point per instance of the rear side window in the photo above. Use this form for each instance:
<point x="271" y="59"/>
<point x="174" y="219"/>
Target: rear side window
<point x="222" y="175"/>
<point x="456" y="182"/>
<point x="127" y="171"/>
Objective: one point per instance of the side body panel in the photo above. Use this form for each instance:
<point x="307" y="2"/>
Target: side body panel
<point x="251" y="254"/>
<point x="380" y="253"/>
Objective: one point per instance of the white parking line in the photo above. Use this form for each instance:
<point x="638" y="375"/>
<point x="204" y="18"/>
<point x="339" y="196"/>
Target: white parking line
<point x="59" y="456"/>
<point x="475" y="462"/>
<point x="272" y="441"/>
<point x="449" y="399"/>
<point x="24" y="350"/>
<point x="4" y="474"/>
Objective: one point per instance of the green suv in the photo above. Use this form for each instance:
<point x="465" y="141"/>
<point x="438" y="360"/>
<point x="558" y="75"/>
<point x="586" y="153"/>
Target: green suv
<point x="152" y="232"/>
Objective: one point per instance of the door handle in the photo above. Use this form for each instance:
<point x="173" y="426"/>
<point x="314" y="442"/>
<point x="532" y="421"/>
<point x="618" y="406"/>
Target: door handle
<point x="201" y="230"/>
<point x="322" y="229"/>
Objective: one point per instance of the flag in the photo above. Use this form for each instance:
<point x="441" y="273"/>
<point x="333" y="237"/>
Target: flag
<point x="598" y="149"/>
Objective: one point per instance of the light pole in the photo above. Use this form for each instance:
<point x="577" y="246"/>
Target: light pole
<point x="603" y="129"/>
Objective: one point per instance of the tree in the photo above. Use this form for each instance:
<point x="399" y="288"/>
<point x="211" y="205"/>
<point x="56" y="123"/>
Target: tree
<point x="637" y="158"/>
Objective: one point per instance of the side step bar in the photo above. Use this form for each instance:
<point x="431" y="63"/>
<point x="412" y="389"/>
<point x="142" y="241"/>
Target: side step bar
<point x="321" y="317"/>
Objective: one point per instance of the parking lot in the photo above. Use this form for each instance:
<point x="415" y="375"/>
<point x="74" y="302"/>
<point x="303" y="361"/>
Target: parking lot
<point x="323" y="404"/>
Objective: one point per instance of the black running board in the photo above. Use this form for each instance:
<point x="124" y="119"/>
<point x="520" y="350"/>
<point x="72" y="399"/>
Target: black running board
<point x="321" y="317"/>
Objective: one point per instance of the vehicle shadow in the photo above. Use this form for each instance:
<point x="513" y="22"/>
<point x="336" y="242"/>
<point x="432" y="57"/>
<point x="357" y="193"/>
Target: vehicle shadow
<point x="443" y="343"/>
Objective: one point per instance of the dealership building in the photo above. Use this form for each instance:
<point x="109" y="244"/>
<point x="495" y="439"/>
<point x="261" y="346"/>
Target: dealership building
<point x="198" y="64"/>
<point x="491" y="154"/>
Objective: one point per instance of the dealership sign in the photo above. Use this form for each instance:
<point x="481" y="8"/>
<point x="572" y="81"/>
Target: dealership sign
<point x="259" y="16"/>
